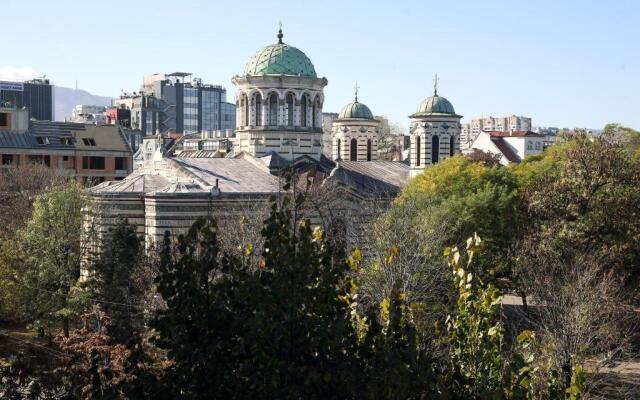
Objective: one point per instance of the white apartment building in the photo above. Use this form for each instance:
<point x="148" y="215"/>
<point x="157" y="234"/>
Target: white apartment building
<point x="511" y="123"/>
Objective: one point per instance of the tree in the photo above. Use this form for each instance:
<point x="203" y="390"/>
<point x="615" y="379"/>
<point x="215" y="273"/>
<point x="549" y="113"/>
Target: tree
<point x="51" y="242"/>
<point x="115" y="279"/>
<point x="19" y="186"/>
<point x="279" y="328"/>
<point x="589" y="205"/>
<point x="457" y="198"/>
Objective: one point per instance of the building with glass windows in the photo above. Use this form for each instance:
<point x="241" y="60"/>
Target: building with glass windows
<point x="178" y="103"/>
<point x="36" y="95"/>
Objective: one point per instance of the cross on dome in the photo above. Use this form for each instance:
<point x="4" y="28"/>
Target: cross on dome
<point x="435" y="85"/>
<point x="280" y="35"/>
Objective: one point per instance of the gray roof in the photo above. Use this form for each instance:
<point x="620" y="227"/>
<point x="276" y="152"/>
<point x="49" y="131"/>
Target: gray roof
<point x="233" y="175"/>
<point x="134" y="184"/>
<point x="373" y="177"/>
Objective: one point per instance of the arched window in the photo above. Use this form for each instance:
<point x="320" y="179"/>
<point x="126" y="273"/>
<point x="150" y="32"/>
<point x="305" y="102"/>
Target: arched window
<point x="418" y="151"/>
<point x="273" y="109"/>
<point x="303" y="111"/>
<point x="452" y="146"/>
<point x="368" y="149"/>
<point x="353" y="149"/>
<point x="339" y="150"/>
<point x="245" y="109"/>
<point x="435" y="150"/>
<point x="290" y="105"/>
<point x="258" y="110"/>
<point x="314" y="114"/>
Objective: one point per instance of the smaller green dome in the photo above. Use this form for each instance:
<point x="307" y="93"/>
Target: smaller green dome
<point x="355" y="110"/>
<point x="436" y="105"/>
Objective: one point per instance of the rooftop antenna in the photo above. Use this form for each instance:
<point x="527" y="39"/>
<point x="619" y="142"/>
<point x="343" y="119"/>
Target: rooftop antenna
<point x="280" y="35"/>
<point x="356" y="87"/>
<point x="435" y="85"/>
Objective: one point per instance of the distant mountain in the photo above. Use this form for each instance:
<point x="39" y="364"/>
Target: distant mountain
<point x="67" y="98"/>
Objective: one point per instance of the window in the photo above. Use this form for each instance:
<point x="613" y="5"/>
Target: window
<point x="314" y="114"/>
<point x="339" y="156"/>
<point x="88" y="141"/>
<point x="435" y="150"/>
<point x="121" y="163"/>
<point x="245" y="109"/>
<point x="257" y="101"/>
<point x="273" y="109"/>
<point x="92" y="162"/>
<point x="368" y="149"/>
<point x="529" y="145"/>
<point x="39" y="159"/>
<point x="452" y="146"/>
<point x="353" y="149"/>
<point x="290" y="108"/>
<point x="4" y="120"/>
<point x="538" y="146"/>
<point x="42" y="140"/>
<point x="303" y="111"/>
<point x="418" y="151"/>
<point x="7" y="159"/>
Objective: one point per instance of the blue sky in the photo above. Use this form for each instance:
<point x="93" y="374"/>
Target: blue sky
<point x="563" y="63"/>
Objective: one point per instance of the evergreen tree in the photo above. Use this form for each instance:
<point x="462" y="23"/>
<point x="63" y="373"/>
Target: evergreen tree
<point x="112" y="279"/>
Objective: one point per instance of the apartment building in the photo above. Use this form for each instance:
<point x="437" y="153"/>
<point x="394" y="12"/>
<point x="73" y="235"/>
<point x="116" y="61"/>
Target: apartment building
<point x="90" y="153"/>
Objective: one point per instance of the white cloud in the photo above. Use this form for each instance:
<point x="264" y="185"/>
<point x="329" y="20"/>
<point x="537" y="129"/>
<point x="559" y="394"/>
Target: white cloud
<point x="19" y="74"/>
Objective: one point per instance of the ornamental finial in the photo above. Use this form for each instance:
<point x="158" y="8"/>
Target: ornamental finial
<point x="356" y="87"/>
<point x="280" y="35"/>
<point x="435" y="85"/>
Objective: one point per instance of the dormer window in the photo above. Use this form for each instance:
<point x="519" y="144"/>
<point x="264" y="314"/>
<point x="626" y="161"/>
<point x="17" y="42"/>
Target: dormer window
<point x="42" y="140"/>
<point x="88" y="141"/>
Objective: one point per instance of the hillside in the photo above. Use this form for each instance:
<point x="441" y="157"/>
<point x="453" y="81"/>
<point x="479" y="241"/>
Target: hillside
<point x="67" y="98"/>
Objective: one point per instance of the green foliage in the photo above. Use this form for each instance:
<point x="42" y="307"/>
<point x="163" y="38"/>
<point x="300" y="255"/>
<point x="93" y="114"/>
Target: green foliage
<point x="112" y="278"/>
<point x="51" y="244"/>
<point x="475" y="333"/>
<point x="283" y="331"/>
<point x="458" y="197"/>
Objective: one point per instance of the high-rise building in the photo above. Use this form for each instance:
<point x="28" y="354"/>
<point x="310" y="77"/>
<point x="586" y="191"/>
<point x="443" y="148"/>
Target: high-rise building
<point x="37" y="95"/>
<point x="176" y="103"/>
<point x="512" y="123"/>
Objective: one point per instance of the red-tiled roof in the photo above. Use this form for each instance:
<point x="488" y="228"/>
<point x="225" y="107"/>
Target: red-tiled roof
<point x="513" y="134"/>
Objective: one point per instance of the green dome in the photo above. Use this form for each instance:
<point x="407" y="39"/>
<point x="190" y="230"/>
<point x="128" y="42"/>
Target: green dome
<point x="280" y="59"/>
<point x="436" y="105"/>
<point x="356" y="110"/>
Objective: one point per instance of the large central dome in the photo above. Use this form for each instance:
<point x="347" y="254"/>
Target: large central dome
<point x="280" y="59"/>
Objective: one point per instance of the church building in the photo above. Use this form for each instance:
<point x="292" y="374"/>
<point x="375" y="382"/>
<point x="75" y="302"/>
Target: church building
<point x="279" y="124"/>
